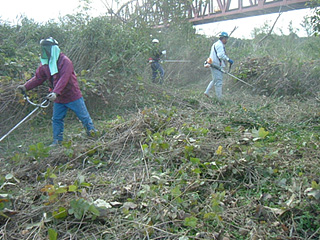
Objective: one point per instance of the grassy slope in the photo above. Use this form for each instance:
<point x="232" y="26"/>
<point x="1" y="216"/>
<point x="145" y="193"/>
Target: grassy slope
<point x="171" y="165"/>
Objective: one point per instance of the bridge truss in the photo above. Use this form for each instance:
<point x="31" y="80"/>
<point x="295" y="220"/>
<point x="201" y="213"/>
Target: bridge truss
<point x="219" y="10"/>
<point x="202" y="11"/>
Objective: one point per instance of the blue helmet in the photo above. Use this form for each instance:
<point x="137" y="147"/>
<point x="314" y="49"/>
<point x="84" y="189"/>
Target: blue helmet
<point x="224" y="34"/>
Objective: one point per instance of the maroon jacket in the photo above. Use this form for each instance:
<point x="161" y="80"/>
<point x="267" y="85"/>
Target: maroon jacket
<point x="65" y="83"/>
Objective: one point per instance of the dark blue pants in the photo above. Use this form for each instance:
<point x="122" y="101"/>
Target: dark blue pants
<point x="157" y="69"/>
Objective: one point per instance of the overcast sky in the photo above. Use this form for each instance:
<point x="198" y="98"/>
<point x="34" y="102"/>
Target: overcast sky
<point x="42" y="11"/>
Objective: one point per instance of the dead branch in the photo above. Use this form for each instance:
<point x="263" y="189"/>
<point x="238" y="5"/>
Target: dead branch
<point x="235" y="28"/>
<point x="271" y="29"/>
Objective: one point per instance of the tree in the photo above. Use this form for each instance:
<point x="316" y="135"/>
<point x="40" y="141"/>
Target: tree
<point x="315" y="19"/>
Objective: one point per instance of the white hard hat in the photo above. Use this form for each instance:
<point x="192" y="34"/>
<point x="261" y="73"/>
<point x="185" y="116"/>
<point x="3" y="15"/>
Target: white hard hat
<point x="155" y="40"/>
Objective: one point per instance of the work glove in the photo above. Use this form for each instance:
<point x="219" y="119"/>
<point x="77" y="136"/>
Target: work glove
<point x="22" y="88"/>
<point x="230" y="61"/>
<point x="207" y="63"/>
<point x="52" y="96"/>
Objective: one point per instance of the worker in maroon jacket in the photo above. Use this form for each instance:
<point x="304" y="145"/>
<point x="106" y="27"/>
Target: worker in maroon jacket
<point x="57" y="68"/>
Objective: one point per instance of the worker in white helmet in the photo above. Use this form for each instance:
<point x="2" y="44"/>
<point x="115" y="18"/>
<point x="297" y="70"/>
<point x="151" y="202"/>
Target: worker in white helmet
<point x="154" y="61"/>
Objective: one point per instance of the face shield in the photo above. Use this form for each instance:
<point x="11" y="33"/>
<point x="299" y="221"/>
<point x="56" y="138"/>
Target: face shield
<point x="45" y="52"/>
<point x="46" y="45"/>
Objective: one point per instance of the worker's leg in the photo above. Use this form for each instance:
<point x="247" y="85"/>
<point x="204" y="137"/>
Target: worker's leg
<point x="80" y="109"/>
<point x="59" y="113"/>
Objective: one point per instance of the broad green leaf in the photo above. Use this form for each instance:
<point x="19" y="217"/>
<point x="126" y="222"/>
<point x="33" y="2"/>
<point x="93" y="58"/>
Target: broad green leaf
<point x="219" y="150"/>
<point x="53" y="196"/>
<point x="165" y="145"/>
<point x="228" y="129"/>
<point x="61" y="190"/>
<point x="52" y="175"/>
<point x="72" y="188"/>
<point x="196" y="170"/>
<point x="263" y="133"/>
<point x="78" y="208"/>
<point x="32" y="148"/>
<point x="94" y="210"/>
<point x="209" y="216"/>
<point x="169" y="131"/>
<point x="60" y="214"/>
<point x="144" y="147"/>
<point x="195" y="160"/>
<point x="190" y="222"/>
<point x="52" y="234"/>
<point x="85" y="184"/>
<point x="259" y="134"/>
<point x="176" y="191"/>
<point x="83" y="72"/>
<point x="315" y="185"/>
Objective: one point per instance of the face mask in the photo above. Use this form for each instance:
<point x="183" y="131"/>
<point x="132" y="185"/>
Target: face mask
<point x="46" y="45"/>
<point x="45" y="52"/>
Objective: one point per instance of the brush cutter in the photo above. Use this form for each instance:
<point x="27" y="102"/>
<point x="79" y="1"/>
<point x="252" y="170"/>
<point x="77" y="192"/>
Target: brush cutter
<point x="44" y="104"/>
<point x="177" y="61"/>
<point x="208" y="63"/>
<point x="221" y="69"/>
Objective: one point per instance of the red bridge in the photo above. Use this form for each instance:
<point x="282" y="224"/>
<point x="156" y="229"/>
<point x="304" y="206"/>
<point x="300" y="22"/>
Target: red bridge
<point x="203" y="11"/>
<point x="219" y="10"/>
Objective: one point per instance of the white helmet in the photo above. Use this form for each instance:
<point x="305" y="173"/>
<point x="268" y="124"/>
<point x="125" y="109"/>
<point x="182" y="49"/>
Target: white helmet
<point x="155" y="40"/>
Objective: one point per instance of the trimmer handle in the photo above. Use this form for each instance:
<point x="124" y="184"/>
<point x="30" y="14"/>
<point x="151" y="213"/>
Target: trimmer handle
<point x="23" y="92"/>
<point x="230" y="65"/>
